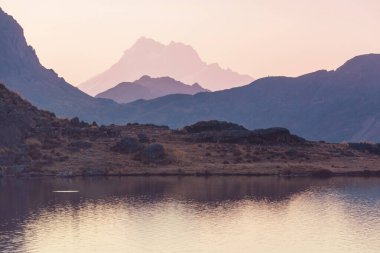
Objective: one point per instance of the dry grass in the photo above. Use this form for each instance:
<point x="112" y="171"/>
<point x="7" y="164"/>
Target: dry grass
<point x="213" y="158"/>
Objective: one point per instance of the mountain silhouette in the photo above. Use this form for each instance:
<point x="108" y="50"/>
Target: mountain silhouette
<point x="22" y="72"/>
<point x="149" y="88"/>
<point x="177" y="60"/>
<point x="340" y="105"/>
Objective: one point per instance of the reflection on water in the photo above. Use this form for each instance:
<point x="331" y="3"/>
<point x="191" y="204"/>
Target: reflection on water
<point x="190" y="214"/>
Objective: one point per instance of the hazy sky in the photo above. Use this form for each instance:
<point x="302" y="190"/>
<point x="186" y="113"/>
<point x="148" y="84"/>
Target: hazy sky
<point x="80" y="38"/>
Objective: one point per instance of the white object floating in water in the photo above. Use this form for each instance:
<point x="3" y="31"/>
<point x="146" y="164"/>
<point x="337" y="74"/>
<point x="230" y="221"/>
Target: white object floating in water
<point x="65" y="191"/>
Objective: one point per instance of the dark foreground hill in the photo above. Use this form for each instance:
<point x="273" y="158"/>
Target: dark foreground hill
<point x="35" y="142"/>
<point x="149" y="88"/>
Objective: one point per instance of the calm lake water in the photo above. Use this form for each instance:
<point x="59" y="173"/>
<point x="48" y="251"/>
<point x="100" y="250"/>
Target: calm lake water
<point x="190" y="214"/>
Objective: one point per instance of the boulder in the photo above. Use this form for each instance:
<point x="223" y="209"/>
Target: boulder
<point x="153" y="153"/>
<point x="127" y="145"/>
<point x="75" y="122"/>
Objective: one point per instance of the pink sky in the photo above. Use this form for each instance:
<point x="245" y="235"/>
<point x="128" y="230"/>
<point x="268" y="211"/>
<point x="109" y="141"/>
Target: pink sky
<point x="80" y="38"/>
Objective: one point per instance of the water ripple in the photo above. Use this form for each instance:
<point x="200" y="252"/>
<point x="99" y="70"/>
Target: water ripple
<point x="190" y="215"/>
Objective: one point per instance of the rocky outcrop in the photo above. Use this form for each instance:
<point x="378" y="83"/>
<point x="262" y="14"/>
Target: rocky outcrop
<point x="213" y="125"/>
<point x="225" y="132"/>
<point x="149" y="154"/>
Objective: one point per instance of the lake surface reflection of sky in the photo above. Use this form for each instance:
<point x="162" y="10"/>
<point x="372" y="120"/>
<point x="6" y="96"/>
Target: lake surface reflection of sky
<point x="190" y="214"/>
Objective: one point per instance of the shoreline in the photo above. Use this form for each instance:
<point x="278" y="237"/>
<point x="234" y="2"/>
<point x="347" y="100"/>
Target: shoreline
<point x="309" y="174"/>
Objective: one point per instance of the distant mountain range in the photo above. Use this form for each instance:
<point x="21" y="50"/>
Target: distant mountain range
<point x="149" y="88"/>
<point x="340" y="105"/>
<point x="179" y="61"/>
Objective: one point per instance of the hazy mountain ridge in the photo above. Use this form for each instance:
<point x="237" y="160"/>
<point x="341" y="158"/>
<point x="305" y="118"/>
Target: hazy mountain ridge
<point x="149" y="88"/>
<point x="177" y="60"/>
<point x="341" y="105"/>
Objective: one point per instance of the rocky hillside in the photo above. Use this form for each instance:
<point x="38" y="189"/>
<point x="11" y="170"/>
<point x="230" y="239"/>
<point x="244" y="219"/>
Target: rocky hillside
<point x="19" y="119"/>
<point x="179" y="61"/>
<point x="35" y="142"/>
<point x="149" y="88"/>
<point x="32" y="139"/>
